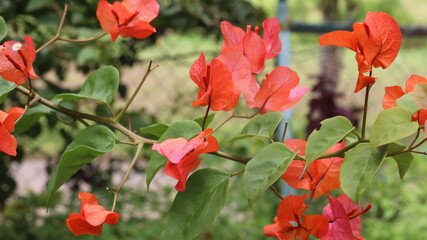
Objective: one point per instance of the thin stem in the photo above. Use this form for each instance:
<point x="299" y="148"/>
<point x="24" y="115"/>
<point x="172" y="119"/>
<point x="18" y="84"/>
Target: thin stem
<point x="224" y="122"/>
<point x="276" y="192"/>
<point x="340" y="152"/>
<point x="365" y="108"/>
<point x="61" y="24"/>
<point x="96" y="37"/>
<point x="284" y="133"/>
<point x="237" y="173"/>
<point x="236" y="116"/>
<point x="357" y="135"/>
<point x="231" y="157"/>
<point x="132" y="164"/>
<point x="58" y="32"/>
<point x="206" y="115"/>
<point x="130" y="100"/>
<point x="417" y="152"/>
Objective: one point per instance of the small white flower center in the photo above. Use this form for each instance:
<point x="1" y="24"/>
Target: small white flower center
<point x="16" y="46"/>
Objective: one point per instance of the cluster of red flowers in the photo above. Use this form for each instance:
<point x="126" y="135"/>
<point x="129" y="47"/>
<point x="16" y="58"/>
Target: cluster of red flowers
<point x="16" y="65"/>
<point x="395" y="92"/>
<point x="223" y="80"/>
<point x="375" y="41"/>
<point x="339" y="220"/>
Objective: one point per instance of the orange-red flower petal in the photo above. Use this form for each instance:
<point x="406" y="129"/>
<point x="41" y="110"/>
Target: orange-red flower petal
<point x="8" y="142"/>
<point x="91" y="217"/>
<point x="16" y="61"/>
<point x="376" y="43"/>
<point x="278" y="91"/>
<point x="129" y="18"/>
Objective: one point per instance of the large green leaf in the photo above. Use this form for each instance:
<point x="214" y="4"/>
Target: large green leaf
<point x="359" y="167"/>
<point x="420" y="95"/>
<point x="261" y="126"/>
<point x="265" y="168"/>
<point x="331" y="132"/>
<point x="101" y="85"/>
<point x="186" y="129"/>
<point x="407" y="102"/>
<point x="403" y="160"/>
<point x="5" y="86"/>
<point x="3" y="28"/>
<point x="391" y="125"/>
<point x="156" y="129"/>
<point x="88" y="144"/>
<point x="194" y="210"/>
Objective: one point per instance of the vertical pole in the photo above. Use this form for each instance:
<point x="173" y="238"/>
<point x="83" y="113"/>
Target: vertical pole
<point x="284" y="59"/>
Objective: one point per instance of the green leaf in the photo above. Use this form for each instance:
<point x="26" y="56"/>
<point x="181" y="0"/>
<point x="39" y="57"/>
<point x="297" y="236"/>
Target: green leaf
<point x="403" y="160"/>
<point x="31" y="117"/>
<point x="87" y="54"/>
<point x="5" y="86"/>
<point x="101" y="85"/>
<point x="88" y="144"/>
<point x="359" y="167"/>
<point x="407" y="102"/>
<point x="420" y="95"/>
<point x="391" y="125"/>
<point x="261" y="126"/>
<point x="34" y="5"/>
<point x="186" y="129"/>
<point x="156" y="130"/>
<point x="194" y="210"/>
<point x="265" y="168"/>
<point x="209" y="120"/>
<point x="3" y="28"/>
<point x="331" y="132"/>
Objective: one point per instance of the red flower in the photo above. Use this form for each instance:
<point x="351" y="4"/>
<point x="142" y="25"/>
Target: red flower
<point x="216" y="87"/>
<point x="7" y="124"/>
<point x="278" y="92"/>
<point x="344" y="218"/>
<point x="322" y="176"/>
<point x="183" y="155"/>
<point x="290" y="222"/>
<point x="253" y="47"/>
<point x="91" y="217"/>
<point x="395" y="92"/>
<point x="16" y="61"/>
<point x="375" y="41"/>
<point x="129" y="18"/>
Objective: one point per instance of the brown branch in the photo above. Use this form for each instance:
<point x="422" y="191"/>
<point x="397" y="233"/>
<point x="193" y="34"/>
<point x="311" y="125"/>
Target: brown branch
<point x="79" y="115"/>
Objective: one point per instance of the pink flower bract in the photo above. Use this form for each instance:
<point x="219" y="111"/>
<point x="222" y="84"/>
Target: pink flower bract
<point x="183" y="155"/>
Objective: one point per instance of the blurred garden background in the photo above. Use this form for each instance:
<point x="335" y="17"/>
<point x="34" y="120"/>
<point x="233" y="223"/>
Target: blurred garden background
<point x="184" y="29"/>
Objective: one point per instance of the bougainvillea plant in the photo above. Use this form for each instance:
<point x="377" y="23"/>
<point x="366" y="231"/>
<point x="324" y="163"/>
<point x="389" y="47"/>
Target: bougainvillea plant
<point x="338" y="156"/>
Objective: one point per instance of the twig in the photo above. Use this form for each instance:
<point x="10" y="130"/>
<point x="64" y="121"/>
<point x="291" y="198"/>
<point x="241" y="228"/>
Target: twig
<point x="276" y="192"/>
<point x="284" y="133"/>
<point x="61" y="24"/>
<point x="231" y="157"/>
<point x="130" y="100"/>
<point x="132" y="164"/>
<point x="365" y="108"/>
